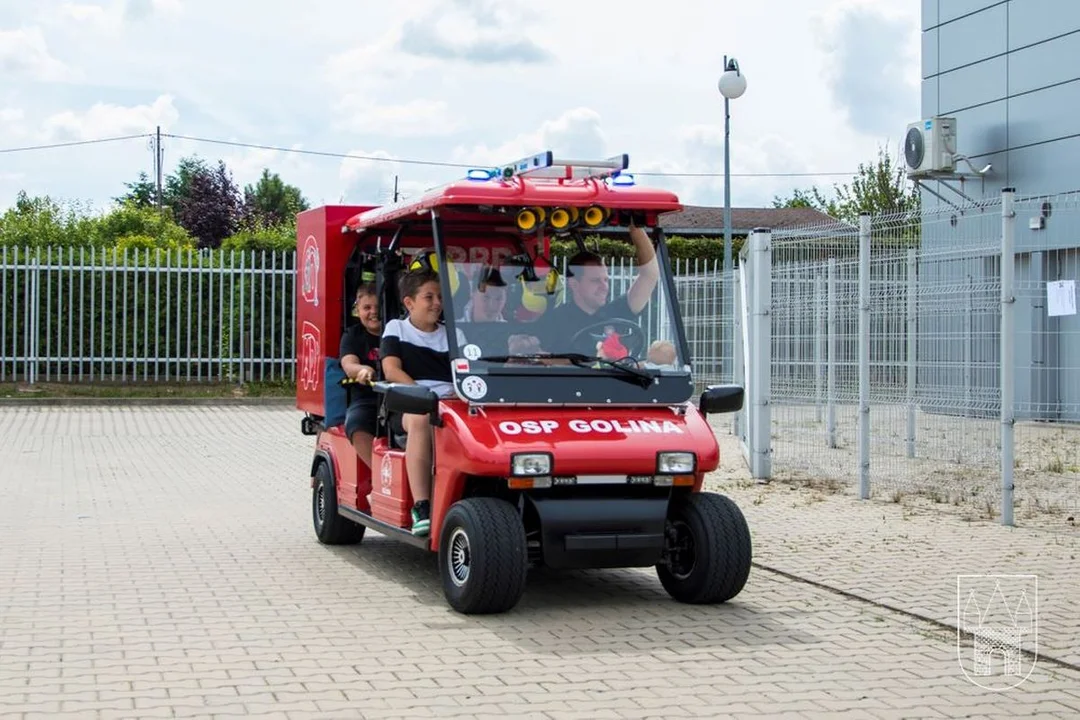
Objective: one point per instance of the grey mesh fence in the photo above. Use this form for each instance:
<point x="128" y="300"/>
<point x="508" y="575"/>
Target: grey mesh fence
<point x="87" y="315"/>
<point x="1047" y="347"/>
<point x="887" y="351"/>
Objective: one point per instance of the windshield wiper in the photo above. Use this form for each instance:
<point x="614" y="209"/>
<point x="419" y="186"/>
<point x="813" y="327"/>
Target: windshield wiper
<point x="631" y="374"/>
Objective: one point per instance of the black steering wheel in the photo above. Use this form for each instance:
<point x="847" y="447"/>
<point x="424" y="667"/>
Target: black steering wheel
<point x="630" y="332"/>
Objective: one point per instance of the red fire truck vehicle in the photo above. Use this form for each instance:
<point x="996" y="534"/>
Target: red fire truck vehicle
<point x="546" y="454"/>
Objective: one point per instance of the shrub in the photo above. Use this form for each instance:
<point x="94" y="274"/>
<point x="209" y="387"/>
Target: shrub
<point x="270" y="239"/>
<point x="132" y="221"/>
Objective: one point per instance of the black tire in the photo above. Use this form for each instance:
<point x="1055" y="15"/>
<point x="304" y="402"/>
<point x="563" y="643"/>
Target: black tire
<point x="482" y="556"/>
<point x="709" y="550"/>
<point x="330" y="527"/>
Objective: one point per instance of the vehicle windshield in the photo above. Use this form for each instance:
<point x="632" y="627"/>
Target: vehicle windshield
<point x="603" y="317"/>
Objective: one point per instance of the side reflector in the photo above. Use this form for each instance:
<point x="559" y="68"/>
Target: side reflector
<point x="528" y="483"/>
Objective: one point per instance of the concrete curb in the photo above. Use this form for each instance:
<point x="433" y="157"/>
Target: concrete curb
<point x="146" y="401"/>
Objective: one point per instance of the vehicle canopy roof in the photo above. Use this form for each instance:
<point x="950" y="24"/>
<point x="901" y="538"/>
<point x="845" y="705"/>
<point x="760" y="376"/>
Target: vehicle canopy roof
<point x="538" y="181"/>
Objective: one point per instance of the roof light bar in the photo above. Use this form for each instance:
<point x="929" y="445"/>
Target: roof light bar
<point x="546" y="165"/>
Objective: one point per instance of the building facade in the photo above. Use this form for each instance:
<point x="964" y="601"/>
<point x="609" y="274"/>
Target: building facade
<point x="1008" y="71"/>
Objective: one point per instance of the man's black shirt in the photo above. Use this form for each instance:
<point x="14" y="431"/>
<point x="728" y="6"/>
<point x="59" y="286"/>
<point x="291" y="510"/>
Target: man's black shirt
<point x="561" y="324"/>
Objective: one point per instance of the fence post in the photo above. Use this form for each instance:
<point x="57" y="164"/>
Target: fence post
<point x="760" y="342"/>
<point x="819" y="343"/>
<point x="912" y="340"/>
<point x="737" y="370"/>
<point x="1008" y="360"/>
<point x="864" y="356"/>
<point x="34" y="306"/>
<point x="830" y="369"/>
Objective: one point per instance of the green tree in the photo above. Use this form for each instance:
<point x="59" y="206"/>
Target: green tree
<point x="204" y="200"/>
<point x="43" y="221"/>
<point x="879" y="188"/>
<point x="142" y="192"/>
<point x="132" y="219"/>
<point x="271" y="202"/>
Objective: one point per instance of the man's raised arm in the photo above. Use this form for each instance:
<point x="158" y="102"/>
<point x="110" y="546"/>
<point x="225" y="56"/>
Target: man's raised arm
<point x="648" y="270"/>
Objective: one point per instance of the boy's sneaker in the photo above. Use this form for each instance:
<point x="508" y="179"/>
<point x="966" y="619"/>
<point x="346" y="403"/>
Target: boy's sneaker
<point x="421" y="518"/>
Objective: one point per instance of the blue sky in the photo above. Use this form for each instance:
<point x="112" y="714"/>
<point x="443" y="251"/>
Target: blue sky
<point x="466" y="81"/>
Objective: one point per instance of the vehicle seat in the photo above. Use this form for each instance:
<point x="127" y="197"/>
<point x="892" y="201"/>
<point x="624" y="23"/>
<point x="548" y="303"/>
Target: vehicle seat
<point x="335" y="396"/>
<point x="390" y="427"/>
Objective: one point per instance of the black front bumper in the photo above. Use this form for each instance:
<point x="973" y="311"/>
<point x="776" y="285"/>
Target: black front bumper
<point x="604" y="532"/>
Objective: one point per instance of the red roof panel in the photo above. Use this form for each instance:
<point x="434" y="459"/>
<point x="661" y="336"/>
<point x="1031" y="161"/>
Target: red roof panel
<point x="522" y="191"/>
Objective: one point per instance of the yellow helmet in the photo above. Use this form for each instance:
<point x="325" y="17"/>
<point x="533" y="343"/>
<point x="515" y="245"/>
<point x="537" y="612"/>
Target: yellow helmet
<point x="428" y="260"/>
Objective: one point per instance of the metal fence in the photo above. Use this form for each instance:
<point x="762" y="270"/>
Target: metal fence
<point x="87" y="315"/>
<point x="903" y="362"/>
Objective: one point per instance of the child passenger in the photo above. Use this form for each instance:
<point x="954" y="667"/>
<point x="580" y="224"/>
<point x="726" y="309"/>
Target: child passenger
<point x="359" y="354"/>
<point x="415" y="352"/>
<point x="661" y="355"/>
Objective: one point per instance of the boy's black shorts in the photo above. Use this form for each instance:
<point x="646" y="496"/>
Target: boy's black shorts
<point x="362" y="415"/>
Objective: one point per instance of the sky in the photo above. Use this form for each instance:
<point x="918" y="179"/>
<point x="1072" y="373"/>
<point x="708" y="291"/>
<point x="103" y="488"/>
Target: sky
<point x="470" y="82"/>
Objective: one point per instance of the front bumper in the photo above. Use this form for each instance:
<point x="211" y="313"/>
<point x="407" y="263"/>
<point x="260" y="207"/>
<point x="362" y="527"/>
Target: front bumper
<point x="605" y="532"/>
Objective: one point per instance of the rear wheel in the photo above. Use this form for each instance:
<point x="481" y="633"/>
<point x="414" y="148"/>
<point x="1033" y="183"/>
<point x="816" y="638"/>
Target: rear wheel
<point x="482" y="556"/>
<point x="330" y="527"/>
<point x="708" y="553"/>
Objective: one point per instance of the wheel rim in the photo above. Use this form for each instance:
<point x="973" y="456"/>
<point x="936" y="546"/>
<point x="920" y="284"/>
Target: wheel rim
<point x="681" y="555"/>
<point x="459" y="557"/>
<point x="320" y="503"/>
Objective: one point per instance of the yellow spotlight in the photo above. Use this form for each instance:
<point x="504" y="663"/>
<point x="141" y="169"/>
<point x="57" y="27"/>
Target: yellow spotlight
<point x="595" y="216"/>
<point x="562" y="218"/>
<point x="527" y="220"/>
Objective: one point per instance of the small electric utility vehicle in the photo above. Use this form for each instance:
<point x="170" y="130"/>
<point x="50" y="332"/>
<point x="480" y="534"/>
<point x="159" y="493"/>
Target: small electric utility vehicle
<point x="573" y="438"/>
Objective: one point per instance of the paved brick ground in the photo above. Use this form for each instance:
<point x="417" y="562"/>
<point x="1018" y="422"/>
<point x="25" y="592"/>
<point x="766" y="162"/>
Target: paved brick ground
<point x="160" y="563"/>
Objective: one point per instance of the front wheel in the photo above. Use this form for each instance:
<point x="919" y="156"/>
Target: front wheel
<point x="482" y="556"/>
<point x="708" y="553"/>
<point x="330" y="527"/>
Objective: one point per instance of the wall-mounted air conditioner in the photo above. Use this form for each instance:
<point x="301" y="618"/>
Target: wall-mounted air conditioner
<point x="930" y="146"/>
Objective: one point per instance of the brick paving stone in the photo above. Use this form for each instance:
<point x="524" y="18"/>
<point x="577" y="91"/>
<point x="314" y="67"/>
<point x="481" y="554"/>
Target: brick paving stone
<point x="901" y="557"/>
<point x="159" y="562"/>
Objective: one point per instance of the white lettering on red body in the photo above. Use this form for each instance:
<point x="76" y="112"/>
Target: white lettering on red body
<point x="598" y="426"/>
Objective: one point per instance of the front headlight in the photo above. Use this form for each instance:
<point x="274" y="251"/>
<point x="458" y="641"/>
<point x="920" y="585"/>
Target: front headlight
<point x="530" y="464"/>
<point x="675" y="463"/>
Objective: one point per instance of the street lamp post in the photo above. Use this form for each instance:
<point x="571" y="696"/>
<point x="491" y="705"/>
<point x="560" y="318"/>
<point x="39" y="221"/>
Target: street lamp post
<point x="732" y="85"/>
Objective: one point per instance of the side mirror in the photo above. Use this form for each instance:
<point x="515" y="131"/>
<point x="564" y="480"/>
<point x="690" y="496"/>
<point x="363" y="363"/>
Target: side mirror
<point x="722" y="399"/>
<point x="411" y="399"/>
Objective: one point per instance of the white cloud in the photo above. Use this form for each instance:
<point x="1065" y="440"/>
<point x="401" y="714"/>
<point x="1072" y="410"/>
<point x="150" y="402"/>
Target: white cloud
<point x="371" y="181"/>
<point x="24" y="52"/>
<point x="873" y="69"/>
<point x="142" y="9"/>
<point x="359" y="114"/>
<point x="575" y="134"/>
<point x="339" y="74"/>
<point x="106" y="120"/>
